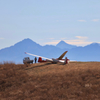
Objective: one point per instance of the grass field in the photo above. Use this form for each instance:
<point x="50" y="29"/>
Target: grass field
<point x="45" y="81"/>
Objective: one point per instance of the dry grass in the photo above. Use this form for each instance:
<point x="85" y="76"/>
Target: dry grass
<point x="44" y="81"/>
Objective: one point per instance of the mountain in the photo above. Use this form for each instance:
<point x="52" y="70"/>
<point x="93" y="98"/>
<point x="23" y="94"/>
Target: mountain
<point x="64" y="45"/>
<point x="16" y="53"/>
<point x="88" y="53"/>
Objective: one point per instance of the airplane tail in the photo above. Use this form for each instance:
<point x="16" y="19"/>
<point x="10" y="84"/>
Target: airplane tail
<point x="60" y="58"/>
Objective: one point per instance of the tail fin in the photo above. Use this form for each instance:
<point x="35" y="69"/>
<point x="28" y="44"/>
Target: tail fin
<point x="66" y="60"/>
<point x="40" y="59"/>
<point x="60" y="58"/>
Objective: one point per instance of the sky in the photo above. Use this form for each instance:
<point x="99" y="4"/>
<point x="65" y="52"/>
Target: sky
<point x="77" y="22"/>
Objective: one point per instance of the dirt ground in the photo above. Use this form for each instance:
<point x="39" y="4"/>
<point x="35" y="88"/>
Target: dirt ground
<point x="46" y="81"/>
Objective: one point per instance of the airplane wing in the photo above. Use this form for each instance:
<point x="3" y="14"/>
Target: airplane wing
<point x="39" y="56"/>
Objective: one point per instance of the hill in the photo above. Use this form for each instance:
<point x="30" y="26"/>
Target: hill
<point x="16" y="53"/>
<point x="45" y="81"/>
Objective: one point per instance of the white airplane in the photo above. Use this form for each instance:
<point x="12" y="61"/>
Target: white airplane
<point x="64" y="61"/>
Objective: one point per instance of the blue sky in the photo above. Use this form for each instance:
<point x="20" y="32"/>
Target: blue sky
<point x="76" y="22"/>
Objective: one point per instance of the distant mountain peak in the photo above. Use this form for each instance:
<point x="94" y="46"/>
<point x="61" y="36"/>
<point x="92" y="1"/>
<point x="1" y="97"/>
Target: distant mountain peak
<point x="63" y="45"/>
<point x="62" y="42"/>
<point x="27" y="42"/>
<point x="93" y="44"/>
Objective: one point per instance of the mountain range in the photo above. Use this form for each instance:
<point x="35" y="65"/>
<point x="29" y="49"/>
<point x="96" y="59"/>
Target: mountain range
<point x="16" y="53"/>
